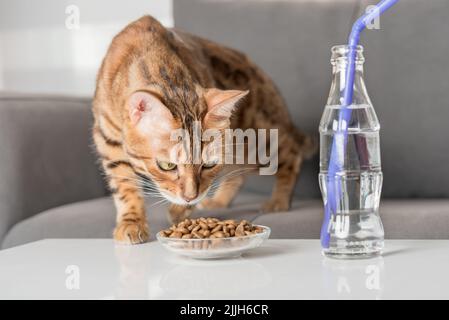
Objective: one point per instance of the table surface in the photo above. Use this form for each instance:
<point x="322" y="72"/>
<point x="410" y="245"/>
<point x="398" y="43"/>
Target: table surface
<point x="280" y="269"/>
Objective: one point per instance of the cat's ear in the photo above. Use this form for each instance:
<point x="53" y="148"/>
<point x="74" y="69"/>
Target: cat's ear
<point x="220" y="105"/>
<point x="148" y="113"/>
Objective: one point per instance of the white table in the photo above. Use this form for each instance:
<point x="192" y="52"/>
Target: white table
<point x="281" y="269"/>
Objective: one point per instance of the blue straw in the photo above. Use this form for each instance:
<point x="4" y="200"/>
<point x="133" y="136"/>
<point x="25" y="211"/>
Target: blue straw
<point x="341" y="133"/>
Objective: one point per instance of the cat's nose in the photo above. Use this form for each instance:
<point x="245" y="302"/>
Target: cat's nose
<point x="189" y="197"/>
<point x="190" y="194"/>
<point x="190" y="190"/>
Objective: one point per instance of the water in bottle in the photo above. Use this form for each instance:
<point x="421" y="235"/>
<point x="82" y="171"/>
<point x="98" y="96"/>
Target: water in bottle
<point x="354" y="227"/>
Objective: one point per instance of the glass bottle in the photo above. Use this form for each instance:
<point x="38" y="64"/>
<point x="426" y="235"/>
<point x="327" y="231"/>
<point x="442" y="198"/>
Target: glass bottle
<point x="351" y="193"/>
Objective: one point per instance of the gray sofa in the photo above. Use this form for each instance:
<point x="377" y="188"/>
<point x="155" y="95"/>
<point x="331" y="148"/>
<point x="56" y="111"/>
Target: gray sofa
<point x="50" y="185"/>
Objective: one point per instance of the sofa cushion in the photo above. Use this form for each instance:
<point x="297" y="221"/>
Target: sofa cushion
<point x="46" y="157"/>
<point x="403" y="219"/>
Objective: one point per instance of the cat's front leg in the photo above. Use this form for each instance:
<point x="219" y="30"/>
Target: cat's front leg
<point x="131" y="223"/>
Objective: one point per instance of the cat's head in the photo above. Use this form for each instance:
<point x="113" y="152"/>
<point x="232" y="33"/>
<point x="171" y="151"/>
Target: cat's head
<point x="153" y="143"/>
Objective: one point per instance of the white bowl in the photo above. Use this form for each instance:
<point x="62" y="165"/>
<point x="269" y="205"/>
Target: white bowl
<point x="214" y="248"/>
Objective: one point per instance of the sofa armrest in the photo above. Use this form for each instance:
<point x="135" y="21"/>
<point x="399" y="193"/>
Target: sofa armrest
<point x="46" y="158"/>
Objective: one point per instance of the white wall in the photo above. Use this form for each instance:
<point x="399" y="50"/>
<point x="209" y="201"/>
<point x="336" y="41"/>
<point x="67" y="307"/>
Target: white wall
<point x="41" y="52"/>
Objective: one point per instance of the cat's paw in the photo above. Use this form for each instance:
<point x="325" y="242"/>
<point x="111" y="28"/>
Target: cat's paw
<point x="276" y="205"/>
<point x="210" y="203"/>
<point x="177" y="213"/>
<point x="131" y="233"/>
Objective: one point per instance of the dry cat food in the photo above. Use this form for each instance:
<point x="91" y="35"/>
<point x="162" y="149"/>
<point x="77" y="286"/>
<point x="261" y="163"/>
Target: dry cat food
<point x="210" y="228"/>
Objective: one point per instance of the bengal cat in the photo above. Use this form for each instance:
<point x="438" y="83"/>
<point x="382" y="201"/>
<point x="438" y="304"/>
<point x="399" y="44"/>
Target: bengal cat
<point x="154" y="80"/>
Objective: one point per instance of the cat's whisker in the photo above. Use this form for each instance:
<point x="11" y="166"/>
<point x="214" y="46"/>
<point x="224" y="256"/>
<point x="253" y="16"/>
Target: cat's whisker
<point x="146" y="184"/>
<point x="145" y="190"/>
<point x="150" y="187"/>
<point x="154" y="197"/>
<point x="159" y="202"/>
<point x="156" y="191"/>
<point x="156" y="194"/>
<point x="222" y="180"/>
<point x="235" y="172"/>
<point x="150" y="192"/>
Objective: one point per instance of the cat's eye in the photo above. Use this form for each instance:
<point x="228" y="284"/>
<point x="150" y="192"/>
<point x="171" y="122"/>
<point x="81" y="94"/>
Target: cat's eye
<point x="166" y="166"/>
<point x="210" y="164"/>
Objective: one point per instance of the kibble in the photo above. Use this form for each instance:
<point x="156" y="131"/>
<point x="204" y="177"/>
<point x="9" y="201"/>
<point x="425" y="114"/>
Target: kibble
<point x="210" y="228"/>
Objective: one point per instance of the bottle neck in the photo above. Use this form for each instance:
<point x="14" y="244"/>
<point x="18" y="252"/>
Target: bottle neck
<point x="339" y="68"/>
